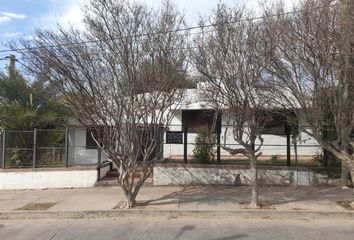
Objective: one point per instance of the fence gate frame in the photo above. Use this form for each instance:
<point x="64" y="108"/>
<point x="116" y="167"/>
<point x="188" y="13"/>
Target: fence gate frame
<point x="34" y="147"/>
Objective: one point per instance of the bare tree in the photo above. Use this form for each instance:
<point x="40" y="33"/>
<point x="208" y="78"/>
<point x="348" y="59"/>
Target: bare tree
<point x="231" y="56"/>
<point x="313" y="67"/>
<point x="118" y="77"/>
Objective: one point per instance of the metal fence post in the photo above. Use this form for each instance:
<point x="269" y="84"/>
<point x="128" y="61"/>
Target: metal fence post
<point x="185" y="149"/>
<point x="218" y="133"/>
<point x="34" y="147"/>
<point x="325" y="152"/>
<point x="99" y="157"/>
<point x="288" y="145"/>
<point x="98" y="163"/>
<point x="66" y="147"/>
<point x="4" y="149"/>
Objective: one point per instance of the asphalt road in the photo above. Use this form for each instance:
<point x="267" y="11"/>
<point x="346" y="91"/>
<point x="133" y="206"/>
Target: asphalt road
<point x="180" y="228"/>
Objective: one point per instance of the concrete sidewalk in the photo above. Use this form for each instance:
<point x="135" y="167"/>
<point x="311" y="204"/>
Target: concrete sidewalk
<point x="194" y="200"/>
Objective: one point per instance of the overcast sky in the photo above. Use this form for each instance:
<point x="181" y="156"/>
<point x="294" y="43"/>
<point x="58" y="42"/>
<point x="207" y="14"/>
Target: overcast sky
<point x="19" y="18"/>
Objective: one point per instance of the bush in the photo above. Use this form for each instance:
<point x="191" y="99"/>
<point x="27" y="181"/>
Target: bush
<point x="204" y="151"/>
<point x="274" y="159"/>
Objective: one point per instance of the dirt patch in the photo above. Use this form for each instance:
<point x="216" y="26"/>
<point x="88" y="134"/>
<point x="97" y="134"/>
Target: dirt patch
<point x="262" y="205"/>
<point x="349" y="205"/>
<point x="36" y="206"/>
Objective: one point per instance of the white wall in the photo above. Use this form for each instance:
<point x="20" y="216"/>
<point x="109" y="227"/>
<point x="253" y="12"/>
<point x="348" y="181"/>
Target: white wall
<point x="48" y="179"/>
<point x="179" y="174"/>
<point x="104" y="171"/>
<point x="78" y="153"/>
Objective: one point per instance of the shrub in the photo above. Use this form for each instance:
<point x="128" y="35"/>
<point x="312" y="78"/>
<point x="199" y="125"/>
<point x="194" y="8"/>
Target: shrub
<point x="274" y="159"/>
<point x="204" y="151"/>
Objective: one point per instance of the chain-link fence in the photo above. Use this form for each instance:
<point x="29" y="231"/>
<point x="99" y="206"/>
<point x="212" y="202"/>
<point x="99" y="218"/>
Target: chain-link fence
<point x="46" y="148"/>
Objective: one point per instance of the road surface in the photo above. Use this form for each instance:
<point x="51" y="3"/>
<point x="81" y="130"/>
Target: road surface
<point x="178" y="228"/>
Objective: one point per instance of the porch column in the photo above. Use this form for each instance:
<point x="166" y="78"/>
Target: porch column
<point x="288" y="145"/>
<point x="218" y="136"/>
<point x="185" y="148"/>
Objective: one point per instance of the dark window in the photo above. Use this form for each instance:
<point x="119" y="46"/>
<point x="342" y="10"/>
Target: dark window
<point x="275" y="129"/>
<point x="90" y="142"/>
<point x="278" y="123"/>
<point x="195" y="119"/>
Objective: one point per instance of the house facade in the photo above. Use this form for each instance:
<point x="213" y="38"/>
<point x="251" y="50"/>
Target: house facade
<point x="195" y="113"/>
<point x="79" y="163"/>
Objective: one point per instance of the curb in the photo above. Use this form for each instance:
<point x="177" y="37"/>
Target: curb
<point x="263" y="214"/>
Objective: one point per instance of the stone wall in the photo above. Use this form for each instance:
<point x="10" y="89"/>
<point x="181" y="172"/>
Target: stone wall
<point x="180" y="174"/>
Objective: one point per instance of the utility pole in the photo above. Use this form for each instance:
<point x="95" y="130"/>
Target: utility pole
<point x="12" y="66"/>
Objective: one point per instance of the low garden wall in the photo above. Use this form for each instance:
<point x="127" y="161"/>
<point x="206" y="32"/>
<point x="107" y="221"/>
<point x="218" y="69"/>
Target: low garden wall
<point x="189" y="174"/>
<point x="40" y="178"/>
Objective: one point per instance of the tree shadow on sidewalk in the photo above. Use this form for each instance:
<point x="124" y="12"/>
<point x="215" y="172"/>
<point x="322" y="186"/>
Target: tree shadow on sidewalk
<point x="214" y="195"/>
<point x="282" y="195"/>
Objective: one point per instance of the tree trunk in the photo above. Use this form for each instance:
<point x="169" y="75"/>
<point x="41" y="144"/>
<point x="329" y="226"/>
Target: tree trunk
<point x="350" y="172"/>
<point x="347" y="169"/>
<point x="344" y="175"/>
<point x="130" y="198"/>
<point x="254" y="183"/>
<point x="130" y="201"/>
<point x="346" y="159"/>
<point x="131" y="189"/>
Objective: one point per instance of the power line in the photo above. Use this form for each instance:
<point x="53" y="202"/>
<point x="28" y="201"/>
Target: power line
<point x="8" y="58"/>
<point x="155" y="33"/>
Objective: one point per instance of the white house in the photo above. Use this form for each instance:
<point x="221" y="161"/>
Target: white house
<point x="80" y="156"/>
<point x="194" y="112"/>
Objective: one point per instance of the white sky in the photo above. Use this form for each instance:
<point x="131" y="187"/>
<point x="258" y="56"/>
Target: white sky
<point x="19" y="18"/>
<point x="69" y="10"/>
<point x="194" y="8"/>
